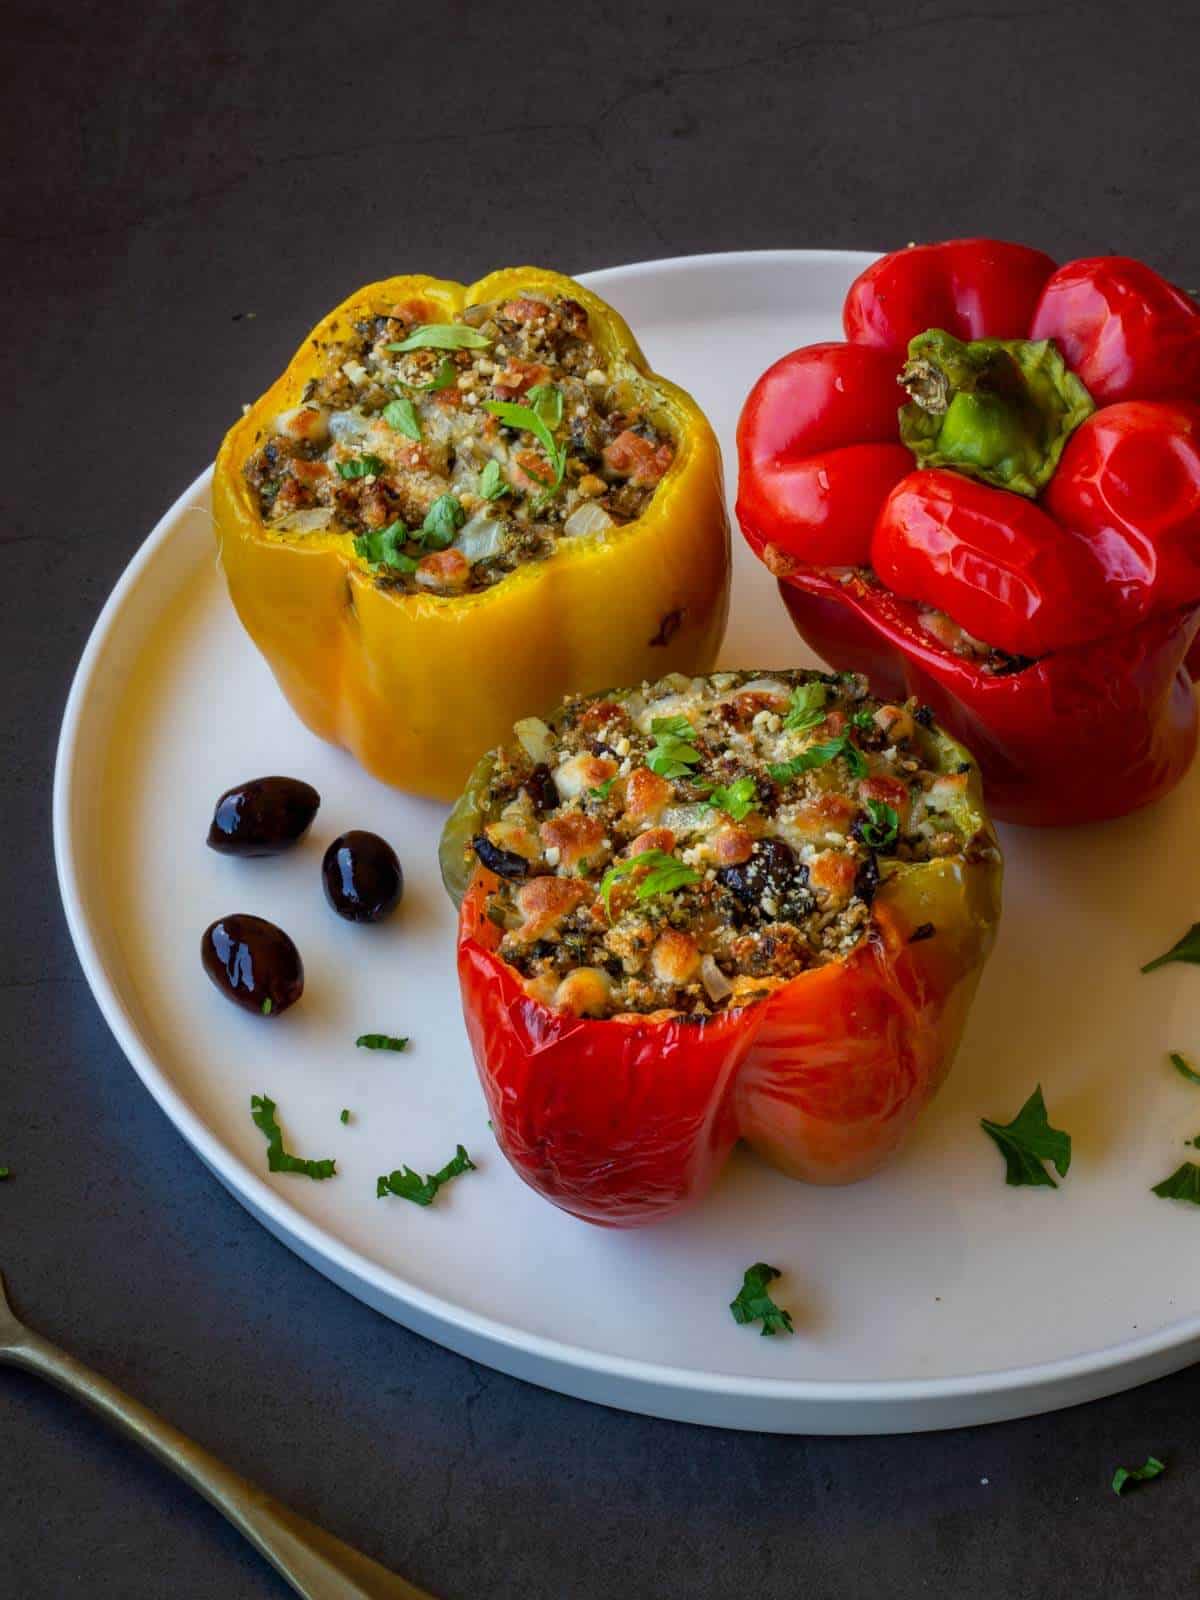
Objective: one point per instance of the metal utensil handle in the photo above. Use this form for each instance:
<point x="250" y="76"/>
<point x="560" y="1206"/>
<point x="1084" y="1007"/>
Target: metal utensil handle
<point x="316" y="1564"/>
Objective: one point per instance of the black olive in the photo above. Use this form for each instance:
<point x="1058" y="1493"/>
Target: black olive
<point x="262" y="817"/>
<point x="924" y="715"/>
<point x="539" y="786"/>
<point x="253" y="963"/>
<point x="866" y="879"/>
<point x="772" y="871"/>
<point x="504" y="863"/>
<point x="362" y="876"/>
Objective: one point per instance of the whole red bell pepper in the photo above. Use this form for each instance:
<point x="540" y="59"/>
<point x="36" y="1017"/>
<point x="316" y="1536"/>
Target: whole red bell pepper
<point x="990" y="497"/>
<point x="623" y="1121"/>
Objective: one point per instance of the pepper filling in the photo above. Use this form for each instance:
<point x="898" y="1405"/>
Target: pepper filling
<point x="693" y="845"/>
<point x="452" y="453"/>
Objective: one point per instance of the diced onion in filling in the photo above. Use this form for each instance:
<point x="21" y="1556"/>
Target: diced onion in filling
<point x="481" y="539"/>
<point x="683" y="820"/>
<point x="309" y="520"/>
<point x="714" y="980"/>
<point x="586" y="518"/>
<point x="347" y="427"/>
<point x="535" y="737"/>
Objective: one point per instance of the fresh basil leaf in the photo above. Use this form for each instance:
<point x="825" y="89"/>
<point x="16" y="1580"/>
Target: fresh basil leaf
<point x="1028" y="1141"/>
<point x="883" y="828"/>
<point x="361" y="467"/>
<point x="1185" y="949"/>
<point x="262" y="1110"/>
<point x="380" y="1041"/>
<point x="1123" y="1475"/>
<point x="817" y="755"/>
<point x="672" y="754"/>
<point x="1183" y="1184"/>
<point x="754" y="1304"/>
<point x="664" y="873"/>
<point x="443" y="520"/>
<point x="406" y="1184"/>
<point x="492" y="483"/>
<point x="737" y="799"/>
<point x="401" y="415"/>
<point x="442" y="336"/>
<point x="808" y="700"/>
<point x="381" y="547"/>
<point x="1183" y="1067"/>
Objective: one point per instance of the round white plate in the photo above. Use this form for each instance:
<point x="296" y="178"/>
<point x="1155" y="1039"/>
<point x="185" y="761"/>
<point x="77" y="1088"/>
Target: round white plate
<point x="930" y="1296"/>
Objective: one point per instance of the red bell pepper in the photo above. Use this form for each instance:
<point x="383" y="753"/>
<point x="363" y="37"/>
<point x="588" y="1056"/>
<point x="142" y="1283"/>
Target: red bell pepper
<point x="946" y="508"/>
<point x="625" y="1121"/>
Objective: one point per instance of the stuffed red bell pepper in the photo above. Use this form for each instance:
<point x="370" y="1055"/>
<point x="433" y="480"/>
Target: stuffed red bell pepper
<point x="989" y="497"/>
<point x="751" y="904"/>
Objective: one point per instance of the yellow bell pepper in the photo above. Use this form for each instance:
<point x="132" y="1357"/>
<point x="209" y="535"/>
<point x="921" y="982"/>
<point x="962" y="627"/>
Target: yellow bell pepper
<point x="416" y="684"/>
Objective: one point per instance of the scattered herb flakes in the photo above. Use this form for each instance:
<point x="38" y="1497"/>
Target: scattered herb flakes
<point x="1183" y="1184"/>
<point x="361" y="467"/>
<point x="401" y="415"/>
<point x="673" y="754"/>
<point x="345" y="1117"/>
<point x="409" y="1185"/>
<point x="737" y="799"/>
<point x="882" y="829"/>
<point x="380" y="1041"/>
<point x="1183" y="1067"/>
<point x="664" y="873"/>
<point x="262" y="1109"/>
<point x="1185" y="949"/>
<point x="1153" y="1468"/>
<point x="492" y="482"/>
<point x="443" y="336"/>
<point x="754" y="1304"/>
<point x="1028" y="1141"/>
<point x="816" y="756"/>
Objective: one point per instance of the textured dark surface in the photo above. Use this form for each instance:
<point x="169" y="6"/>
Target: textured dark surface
<point x="183" y="166"/>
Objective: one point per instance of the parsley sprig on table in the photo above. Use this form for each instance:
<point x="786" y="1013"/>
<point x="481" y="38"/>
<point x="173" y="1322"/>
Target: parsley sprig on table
<point x="409" y="1185"/>
<point x="1027" y="1142"/>
<point x="1183" y="1184"/>
<point x="1123" y="1475"/>
<point x="262" y="1109"/>
<point x="381" y="1041"/>
<point x="664" y="873"/>
<point x="754" y="1304"/>
<point x="1183" y="1066"/>
<point x="1185" y="949"/>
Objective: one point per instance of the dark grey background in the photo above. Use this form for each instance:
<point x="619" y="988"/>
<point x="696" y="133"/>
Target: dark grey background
<point x="181" y="166"/>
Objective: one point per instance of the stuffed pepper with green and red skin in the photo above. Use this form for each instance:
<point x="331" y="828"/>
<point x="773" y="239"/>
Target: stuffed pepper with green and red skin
<point x="754" y="904"/>
<point x="989" y="497"/>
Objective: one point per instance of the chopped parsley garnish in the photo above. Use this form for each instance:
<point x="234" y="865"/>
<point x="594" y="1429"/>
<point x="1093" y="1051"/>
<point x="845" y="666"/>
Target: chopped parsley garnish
<point x="442" y="521"/>
<point x="345" y="1116"/>
<point x="601" y="790"/>
<point x="361" y="467"/>
<point x="664" y="873"/>
<point x="401" y="415"/>
<point x="492" y="483"/>
<point x="381" y="548"/>
<point x="262" y="1109"/>
<point x="446" y="374"/>
<point x="409" y="1185"/>
<point x="1185" y="949"/>
<point x="863" y="719"/>
<point x="673" y="752"/>
<point x="806" y="710"/>
<point x="816" y="756"/>
<point x="1183" y="1067"/>
<point x="1123" y="1475"/>
<point x="754" y="1304"/>
<point x="738" y="799"/>
<point x="380" y="1041"/>
<point x="536" y="419"/>
<point x="1028" y="1141"/>
<point x="1183" y="1184"/>
<point x="883" y="829"/>
<point x="443" y="336"/>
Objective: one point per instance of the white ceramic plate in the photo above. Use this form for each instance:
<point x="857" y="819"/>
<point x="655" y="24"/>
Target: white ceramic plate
<point x="931" y="1296"/>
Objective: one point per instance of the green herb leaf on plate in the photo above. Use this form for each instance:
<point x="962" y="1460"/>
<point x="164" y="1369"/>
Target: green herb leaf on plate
<point x="401" y="415"/>
<point x="262" y="1110"/>
<point x="361" y="467"/>
<point x="754" y="1304"/>
<point x="442" y="336"/>
<point x="664" y="873"/>
<point x="1185" y="949"/>
<point x="1123" y="1475"/>
<point x="380" y="1041"/>
<point x="1183" y="1184"/>
<point x="406" y="1184"/>
<point x="1028" y="1141"/>
<point x="737" y="799"/>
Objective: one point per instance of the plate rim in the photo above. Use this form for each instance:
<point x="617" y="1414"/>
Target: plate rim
<point x="648" y="1387"/>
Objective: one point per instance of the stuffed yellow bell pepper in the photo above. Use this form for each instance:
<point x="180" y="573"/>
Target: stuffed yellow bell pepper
<point x="460" y="503"/>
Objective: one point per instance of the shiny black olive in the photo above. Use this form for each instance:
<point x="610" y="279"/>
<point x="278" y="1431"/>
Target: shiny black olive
<point x="539" y="786"/>
<point x="866" y="879"/>
<point x="504" y="863"/>
<point x="253" y="963"/>
<point x="262" y="817"/>
<point x="773" y="873"/>
<point x="362" y="877"/>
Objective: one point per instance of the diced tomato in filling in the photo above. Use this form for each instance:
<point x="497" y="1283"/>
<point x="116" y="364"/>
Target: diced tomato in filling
<point x="635" y="458"/>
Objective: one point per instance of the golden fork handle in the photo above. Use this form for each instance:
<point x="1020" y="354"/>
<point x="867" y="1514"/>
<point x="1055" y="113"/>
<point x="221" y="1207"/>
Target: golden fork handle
<point x="316" y="1564"/>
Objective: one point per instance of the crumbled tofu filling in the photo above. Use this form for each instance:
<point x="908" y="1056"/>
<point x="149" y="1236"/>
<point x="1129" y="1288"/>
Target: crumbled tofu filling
<point x="435" y="492"/>
<point x="691" y="846"/>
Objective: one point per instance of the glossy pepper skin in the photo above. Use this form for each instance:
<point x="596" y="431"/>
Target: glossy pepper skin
<point x="625" y="1121"/>
<point x="414" y="685"/>
<point x="1066" y="532"/>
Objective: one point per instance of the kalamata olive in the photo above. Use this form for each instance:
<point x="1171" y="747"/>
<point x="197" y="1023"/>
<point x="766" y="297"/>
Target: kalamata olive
<point x="772" y="872"/>
<point x="866" y="879"/>
<point x="540" y="787"/>
<point x="504" y="863"/>
<point x="362" y="877"/>
<point x="253" y="963"/>
<point x="262" y="817"/>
